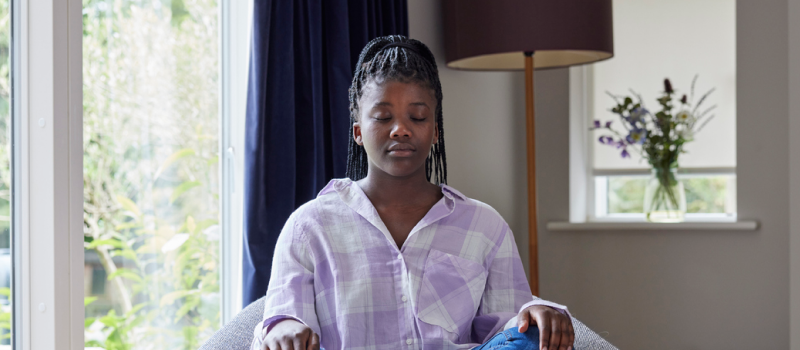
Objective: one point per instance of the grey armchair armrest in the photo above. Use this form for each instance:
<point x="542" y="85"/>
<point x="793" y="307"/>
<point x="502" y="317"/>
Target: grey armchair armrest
<point x="238" y="334"/>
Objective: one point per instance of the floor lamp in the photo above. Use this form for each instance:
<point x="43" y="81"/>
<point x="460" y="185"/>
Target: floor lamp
<point x="502" y="35"/>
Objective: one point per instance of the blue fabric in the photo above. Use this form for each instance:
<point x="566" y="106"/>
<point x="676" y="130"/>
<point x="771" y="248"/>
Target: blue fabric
<point x="302" y="59"/>
<point x="512" y="339"/>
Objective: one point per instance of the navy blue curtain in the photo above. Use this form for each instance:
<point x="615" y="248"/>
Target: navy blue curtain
<point x="302" y="59"/>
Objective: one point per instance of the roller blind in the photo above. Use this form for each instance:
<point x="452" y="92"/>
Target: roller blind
<point x="656" y="39"/>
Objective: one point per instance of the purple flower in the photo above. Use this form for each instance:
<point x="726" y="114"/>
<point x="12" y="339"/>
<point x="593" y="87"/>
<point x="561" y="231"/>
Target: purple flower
<point x="683" y="99"/>
<point x="606" y="140"/>
<point x="608" y="124"/>
<point x="637" y="136"/>
<point x="625" y="153"/>
<point x="597" y="124"/>
<point x="620" y="144"/>
<point x="668" y="86"/>
<point x="637" y="115"/>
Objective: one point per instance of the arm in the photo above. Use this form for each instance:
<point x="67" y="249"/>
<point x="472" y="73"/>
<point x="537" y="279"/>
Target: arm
<point x="290" y="295"/>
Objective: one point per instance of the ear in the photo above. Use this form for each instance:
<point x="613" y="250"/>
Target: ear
<point x="435" y="133"/>
<point x="357" y="134"/>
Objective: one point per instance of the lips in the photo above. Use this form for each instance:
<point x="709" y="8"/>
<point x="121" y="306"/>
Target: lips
<point x="401" y="149"/>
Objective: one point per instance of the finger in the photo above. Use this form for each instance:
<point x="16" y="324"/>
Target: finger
<point x="298" y="343"/>
<point x="565" y="343"/>
<point x="523" y="320"/>
<point x="284" y="344"/>
<point x="544" y="333"/>
<point x="555" y="335"/>
<point x="571" y="334"/>
<point x="313" y="344"/>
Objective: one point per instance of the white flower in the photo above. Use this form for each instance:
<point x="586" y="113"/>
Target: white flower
<point x="685" y="116"/>
<point x="686" y="133"/>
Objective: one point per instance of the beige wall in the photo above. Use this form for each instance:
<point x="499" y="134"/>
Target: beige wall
<point x="648" y="290"/>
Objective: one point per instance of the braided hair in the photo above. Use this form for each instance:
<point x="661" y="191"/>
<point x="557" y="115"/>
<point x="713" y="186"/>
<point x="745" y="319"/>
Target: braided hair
<point x="396" y="58"/>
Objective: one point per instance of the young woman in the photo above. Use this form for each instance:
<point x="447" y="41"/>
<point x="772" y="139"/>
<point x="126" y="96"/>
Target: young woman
<point x="385" y="259"/>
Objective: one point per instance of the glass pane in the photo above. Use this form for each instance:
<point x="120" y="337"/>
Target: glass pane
<point x="710" y="194"/>
<point x="151" y="173"/>
<point x="6" y="130"/>
<point x="707" y="194"/>
<point x="626" y="194"/>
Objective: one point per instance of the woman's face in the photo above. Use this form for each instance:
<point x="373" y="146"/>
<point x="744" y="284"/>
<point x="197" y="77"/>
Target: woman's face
<point x="396" y="126"/>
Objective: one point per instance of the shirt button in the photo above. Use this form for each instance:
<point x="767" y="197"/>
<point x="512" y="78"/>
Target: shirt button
<point x="408" y="341"/>
<point x="404" y="298"/>
<point x="399" y="256"/>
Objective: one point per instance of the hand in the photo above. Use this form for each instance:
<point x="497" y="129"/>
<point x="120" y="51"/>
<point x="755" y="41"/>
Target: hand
<point x="291" y="335"/>
<point x="555" y="328"/>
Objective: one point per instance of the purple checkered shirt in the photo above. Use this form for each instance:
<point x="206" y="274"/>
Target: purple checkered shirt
<point x="456" y="282"/>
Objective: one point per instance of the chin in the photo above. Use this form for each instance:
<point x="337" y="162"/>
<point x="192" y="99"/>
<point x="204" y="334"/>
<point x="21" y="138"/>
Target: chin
<point x="398" y="170"/>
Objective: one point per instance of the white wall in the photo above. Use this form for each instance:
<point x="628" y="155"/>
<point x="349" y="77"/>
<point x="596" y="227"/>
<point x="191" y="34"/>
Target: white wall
<point x="648" y="290"/>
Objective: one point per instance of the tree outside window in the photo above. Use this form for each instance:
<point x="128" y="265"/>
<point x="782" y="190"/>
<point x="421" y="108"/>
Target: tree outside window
<point x="151" y="173"/>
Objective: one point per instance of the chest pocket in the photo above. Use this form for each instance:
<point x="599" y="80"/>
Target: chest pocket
<point x="450" y="292"/>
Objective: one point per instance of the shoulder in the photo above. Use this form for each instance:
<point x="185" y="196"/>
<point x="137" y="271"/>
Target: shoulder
<point x="476" y="215"/>
<point x="327" y="206"/>
<point x="473" y="206"/>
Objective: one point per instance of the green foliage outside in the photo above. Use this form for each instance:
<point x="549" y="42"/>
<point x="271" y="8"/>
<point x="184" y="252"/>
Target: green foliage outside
<point x="5" y="124"/>
<point x="5" y="164"/>
<point x="151" y="184"/>
<point x="703" y="194"/>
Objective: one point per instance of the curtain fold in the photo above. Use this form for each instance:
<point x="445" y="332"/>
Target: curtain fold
<point x="302" y="57"/>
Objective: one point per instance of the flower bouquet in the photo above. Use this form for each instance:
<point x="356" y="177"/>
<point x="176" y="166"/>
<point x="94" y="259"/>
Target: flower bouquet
<point x="659" y="138"/>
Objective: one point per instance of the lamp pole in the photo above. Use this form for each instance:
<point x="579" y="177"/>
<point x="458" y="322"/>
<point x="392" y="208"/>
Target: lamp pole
<point x="533" y="244"/>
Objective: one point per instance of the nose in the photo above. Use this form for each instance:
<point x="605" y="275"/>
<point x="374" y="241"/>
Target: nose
<point x="400" y="129"/>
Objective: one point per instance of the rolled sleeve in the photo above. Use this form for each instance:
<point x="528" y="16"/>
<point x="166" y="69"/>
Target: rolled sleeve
<point x="290" y="294"/>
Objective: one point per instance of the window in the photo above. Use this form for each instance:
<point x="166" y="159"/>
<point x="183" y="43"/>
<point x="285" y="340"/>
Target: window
<point x="7" y="178"/>
<point x="152" y="172"/>
<point x="654" y="40"/>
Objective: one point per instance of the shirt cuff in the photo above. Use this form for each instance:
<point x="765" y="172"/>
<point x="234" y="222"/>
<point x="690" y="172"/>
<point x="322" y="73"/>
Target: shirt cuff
<point x="558" y="307"/>
<point x="262" y="328"/>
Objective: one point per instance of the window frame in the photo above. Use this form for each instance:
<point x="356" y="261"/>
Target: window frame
<point x="585" y="204"/>
<point x="48" y="160"/>
<point x="235" y="30"/>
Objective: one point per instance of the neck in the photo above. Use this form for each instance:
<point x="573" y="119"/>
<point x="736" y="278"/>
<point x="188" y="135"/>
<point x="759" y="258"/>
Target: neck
<point x="387" y="190"/>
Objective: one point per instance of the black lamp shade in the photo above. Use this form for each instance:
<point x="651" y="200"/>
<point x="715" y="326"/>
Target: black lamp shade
<point x="495" y="34"/>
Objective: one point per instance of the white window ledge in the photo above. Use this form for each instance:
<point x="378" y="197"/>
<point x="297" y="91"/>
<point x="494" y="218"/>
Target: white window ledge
<point x="651" y="226"/>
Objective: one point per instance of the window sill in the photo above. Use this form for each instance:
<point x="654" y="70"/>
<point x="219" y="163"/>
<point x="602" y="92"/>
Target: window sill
<point x="747" y="225"/>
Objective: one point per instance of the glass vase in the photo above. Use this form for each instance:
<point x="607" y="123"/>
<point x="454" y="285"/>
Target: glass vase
<point x="664" y="196"/>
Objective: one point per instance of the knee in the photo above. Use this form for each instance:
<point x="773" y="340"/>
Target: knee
<point x="531" y="336"/>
